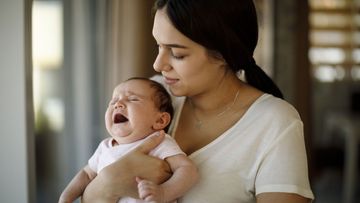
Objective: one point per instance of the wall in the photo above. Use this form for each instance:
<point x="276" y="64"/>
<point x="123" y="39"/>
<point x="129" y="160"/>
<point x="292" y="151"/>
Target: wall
<point x="16" y="137"/>
<point x="291" y="63"/>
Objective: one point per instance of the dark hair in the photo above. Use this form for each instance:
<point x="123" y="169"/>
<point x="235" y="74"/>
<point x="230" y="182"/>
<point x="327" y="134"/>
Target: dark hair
<point x="161" y="97"/>
<point x="227" y="29"/>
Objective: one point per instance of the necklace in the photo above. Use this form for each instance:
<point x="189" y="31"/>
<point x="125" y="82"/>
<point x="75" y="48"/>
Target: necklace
<point x="199" y="122"/>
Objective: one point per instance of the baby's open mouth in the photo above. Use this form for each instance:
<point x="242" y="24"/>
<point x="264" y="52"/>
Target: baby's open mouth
<point x="119" y="118"/>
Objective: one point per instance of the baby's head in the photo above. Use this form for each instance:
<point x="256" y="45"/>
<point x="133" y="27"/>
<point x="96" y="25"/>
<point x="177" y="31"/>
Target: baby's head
<point x="139" y="107"/>
<point x="161" y="96"/>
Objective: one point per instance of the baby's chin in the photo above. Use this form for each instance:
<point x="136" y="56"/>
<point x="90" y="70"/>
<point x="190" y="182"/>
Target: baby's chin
<point x="126" y="138"/>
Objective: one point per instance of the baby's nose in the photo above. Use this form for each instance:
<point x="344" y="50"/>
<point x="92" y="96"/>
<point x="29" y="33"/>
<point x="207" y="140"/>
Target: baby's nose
<point x="119" y="104"/>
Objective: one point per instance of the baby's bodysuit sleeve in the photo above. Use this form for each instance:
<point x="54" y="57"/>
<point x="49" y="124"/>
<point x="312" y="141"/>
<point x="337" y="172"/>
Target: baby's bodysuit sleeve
<point x="93" y="162"/>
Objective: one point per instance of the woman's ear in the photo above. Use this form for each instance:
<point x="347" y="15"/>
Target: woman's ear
<point x="162" y="121"/>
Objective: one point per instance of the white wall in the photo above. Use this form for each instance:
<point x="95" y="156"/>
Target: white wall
<point x="16" y="137"/>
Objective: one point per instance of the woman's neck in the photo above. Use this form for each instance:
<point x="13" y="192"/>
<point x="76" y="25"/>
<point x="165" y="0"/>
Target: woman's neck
<point x="218" y="99"/>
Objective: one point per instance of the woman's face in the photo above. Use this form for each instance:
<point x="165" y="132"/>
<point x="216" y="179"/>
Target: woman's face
<point x="185" y="65"/>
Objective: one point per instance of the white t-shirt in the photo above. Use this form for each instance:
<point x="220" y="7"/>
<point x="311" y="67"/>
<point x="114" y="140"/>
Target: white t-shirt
<point x="263" y="152"/>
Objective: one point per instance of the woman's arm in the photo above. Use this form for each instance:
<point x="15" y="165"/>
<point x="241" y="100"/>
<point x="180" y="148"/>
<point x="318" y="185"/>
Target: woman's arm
<point x="279" y="197"/>
<point x="118" y="179"/>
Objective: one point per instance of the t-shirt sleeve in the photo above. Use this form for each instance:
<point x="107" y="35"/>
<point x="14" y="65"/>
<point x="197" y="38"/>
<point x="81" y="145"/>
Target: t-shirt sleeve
<point x="168" y="147"/>
<point x="284" y="165"/>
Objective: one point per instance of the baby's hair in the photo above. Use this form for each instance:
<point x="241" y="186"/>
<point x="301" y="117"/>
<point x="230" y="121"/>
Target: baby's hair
<point x="161" y="97"/>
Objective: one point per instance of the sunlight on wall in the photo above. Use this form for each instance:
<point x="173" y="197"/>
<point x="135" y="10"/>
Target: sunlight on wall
<point x="47" y="50"/>
<point x="47" y="34"/>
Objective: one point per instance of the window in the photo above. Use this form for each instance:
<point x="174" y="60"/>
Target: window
<point x="334" y="40"/>
<point x="334" y="55"/>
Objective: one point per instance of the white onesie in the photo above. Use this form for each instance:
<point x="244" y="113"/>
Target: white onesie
<point x="106" y="154"/>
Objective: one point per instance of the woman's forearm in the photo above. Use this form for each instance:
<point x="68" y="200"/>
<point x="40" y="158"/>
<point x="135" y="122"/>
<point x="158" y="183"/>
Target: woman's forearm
<point x="280" y="197"/>
<point x="96" y="192"/>
<point x="111" y="183"/>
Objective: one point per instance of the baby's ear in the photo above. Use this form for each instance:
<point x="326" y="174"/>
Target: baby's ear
<point x="162" y="121"/>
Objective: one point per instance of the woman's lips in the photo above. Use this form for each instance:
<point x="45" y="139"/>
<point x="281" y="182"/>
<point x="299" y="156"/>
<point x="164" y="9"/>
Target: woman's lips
<point x="170" y="81"/>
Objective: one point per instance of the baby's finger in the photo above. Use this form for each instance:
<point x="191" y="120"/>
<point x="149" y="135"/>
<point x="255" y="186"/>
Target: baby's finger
<point x="138" y="179"/>
<point x="150" y="198"/>
<point x="145" y="188"/>
<point x="145" y="183"/>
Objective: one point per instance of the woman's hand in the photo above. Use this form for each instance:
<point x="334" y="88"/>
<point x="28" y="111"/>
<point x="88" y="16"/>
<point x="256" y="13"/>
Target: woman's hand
<point x="118" y="179"/>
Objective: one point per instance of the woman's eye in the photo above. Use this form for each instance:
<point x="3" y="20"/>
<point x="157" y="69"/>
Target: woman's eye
<point x="177" y="56"/>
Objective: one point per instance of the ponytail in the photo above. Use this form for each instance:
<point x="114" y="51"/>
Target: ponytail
<point x="257" y="78"/>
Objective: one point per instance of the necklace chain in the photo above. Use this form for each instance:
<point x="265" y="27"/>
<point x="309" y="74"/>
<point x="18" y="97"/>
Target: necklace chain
<point x="199" y="122"/>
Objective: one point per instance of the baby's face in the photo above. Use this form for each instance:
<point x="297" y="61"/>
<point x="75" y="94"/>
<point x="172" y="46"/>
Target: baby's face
<point x="131" y="114"/>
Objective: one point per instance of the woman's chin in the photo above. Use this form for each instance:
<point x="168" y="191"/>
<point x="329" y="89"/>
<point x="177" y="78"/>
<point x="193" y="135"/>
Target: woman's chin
<point x="175" y="92"/>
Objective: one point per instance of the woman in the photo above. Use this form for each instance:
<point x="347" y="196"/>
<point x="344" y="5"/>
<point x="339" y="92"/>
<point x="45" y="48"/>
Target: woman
<point x="246" y="141"/>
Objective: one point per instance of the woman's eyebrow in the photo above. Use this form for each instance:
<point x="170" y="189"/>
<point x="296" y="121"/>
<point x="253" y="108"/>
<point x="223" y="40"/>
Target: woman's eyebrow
<point x="175" y="46"/>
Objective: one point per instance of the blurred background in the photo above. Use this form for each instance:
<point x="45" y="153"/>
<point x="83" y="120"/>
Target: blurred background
<point x="60" y="59"/>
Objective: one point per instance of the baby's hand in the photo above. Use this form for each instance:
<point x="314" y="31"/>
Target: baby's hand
<point x="149" y="191"/>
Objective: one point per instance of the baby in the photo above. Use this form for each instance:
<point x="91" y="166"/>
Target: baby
<point x="139" y="108"/>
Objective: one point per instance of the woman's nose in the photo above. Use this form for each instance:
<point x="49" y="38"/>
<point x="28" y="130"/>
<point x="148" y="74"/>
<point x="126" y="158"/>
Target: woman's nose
<point x="161" y="63"/>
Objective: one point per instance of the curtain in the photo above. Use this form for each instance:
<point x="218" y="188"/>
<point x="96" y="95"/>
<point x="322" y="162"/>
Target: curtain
<point x="130" y="47"/>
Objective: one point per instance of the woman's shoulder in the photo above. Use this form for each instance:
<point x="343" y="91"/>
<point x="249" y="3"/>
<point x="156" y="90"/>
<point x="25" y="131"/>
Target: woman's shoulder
<point x="274" y="104"/>
<point x="273" y="109"/>
<point x="268" y="119"/>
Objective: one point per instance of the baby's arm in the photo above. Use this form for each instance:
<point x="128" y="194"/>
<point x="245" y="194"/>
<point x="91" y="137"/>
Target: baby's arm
<point x="77" y="185"/>
<point x="184" y="176"/>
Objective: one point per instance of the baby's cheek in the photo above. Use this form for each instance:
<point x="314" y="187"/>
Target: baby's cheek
<point x="108" y="119"/>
